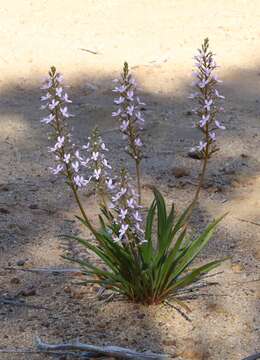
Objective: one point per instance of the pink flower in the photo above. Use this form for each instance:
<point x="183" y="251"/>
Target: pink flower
<point x="130" y="95"/>
<point x="124" y="125"/>
<point x="123" y="230"/>
<point x="137" y="216"/>
<point x="53" y="104"/>
<point x="66" y="158"/>
<point x="220" y="126"/>
<point x="65" y="112"/>
<point x="120" y="89"/>
<point x="97" y="173"/>
<point x="139" y="101"/>
<point x="110" y="184"/>
<point x="59" y="91"/>
<point x="57" y="170"/>
<point x="204" y="120"/>
<point x="202" y="145"/>
<point x="80" y="181"/>
<point x="46" y="97"/>
<point x="130" y="110"/>
<point x="218" y="94"/>
<point x="95" y="156"/>
<point x="75" y="166"/>
<point x="138" y="142"/>
<point x="116" y="113"/>
<point x="123" y="213"/>
<point x="48" y="119"/>
<point x="212" y="135"/>
<point x="106" y="164"/>
<point x="66" y="98"/>
<point x="208" y="104"/>
<point x="120" y="100"/>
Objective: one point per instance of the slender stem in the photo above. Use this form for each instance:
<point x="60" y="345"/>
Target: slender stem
<point x="201" y="178"/>
<point x="75" y="193"/>
<point x="138" y="176"/>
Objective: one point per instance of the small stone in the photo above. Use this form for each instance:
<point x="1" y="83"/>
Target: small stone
<point x="180" y="171"/>
<point x="45" y="324"/>
<point x="67" y="289"/>
<point x="20" y="262"/>
<point x="169" y="342"/>
<point x="33" y="206"/>
<point x="193" y="355"/>
<point x="15" y="281"/>
<point x="237" y="268"/>
<point x="21" y="328"/>
<point x="4" y="211"/>
<point x="77" y="295"/>
<point x="29" y="291"/>
<point x="140" y="316"/>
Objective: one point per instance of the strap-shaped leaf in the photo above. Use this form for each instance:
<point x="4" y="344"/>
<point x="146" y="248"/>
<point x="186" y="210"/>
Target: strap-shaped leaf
<point x="161" y="213"/>
<point x="194" y="275"/>
<point x="195" y="248"/>
<point x="147" y="248"/>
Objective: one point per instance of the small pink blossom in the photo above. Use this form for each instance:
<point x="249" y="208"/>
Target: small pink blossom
<point x="66" y="98"/>
<point x="57" y="170"/>
<point x="59" y="91"/>
<point x="116" y="113"/>
<point x="123" y="230"/>
<point x="120" y="100"/>
<point x="97" y="173"/>
<point x="95" y="156"/>
<point x="66" y="158"/>
<point x="220" y="126"/>
<point x="53" y="104"/>
<point x="218" y="94"/>
<point x="48" y="119"/>
<point x="123" y="213"/>
<point x="202" y="145"/>
<point x="208" y="104"/>
<point x="75" y="166"/>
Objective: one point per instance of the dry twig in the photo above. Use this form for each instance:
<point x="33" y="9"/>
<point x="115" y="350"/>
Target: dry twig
<point x="112" y="351"/>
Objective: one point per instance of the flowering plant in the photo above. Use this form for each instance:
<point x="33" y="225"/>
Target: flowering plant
<point x="208" y="107"/>
<point x="145" y="265"/>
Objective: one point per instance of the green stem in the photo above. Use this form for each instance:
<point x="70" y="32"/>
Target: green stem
<point x="75" y="193"/>
<point x="201" y="177"/>
<point x="138" y="176"/>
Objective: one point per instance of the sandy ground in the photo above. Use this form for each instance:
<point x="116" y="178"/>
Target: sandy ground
<point x="158" y="39"/>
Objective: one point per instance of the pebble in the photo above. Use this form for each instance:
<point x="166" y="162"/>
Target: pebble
<point x="33" y="206"/>
<point x="20" y="262"/>
<point x="180" y="171"/>
<point x="4" y="211"/>
<point x="15" y="281"/>
<point x="29" y="291"/>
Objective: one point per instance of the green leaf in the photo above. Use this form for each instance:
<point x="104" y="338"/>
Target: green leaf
<point x="194" y="275"/>
<point x="147" y="248"/>
<point x="195" y="248"/>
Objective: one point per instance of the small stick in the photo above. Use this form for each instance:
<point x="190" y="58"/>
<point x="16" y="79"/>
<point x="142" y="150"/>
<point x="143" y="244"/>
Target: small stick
<point x="83" y="355"/>
<point x="249" y="221"/>
<point x="20" y="303"/>
<point x="46" y="270"/>
<point x="89" y="51"/>
<point x="113" y="351"/>
<point x="177" y="309"/>
<point x="253" y="357"/>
